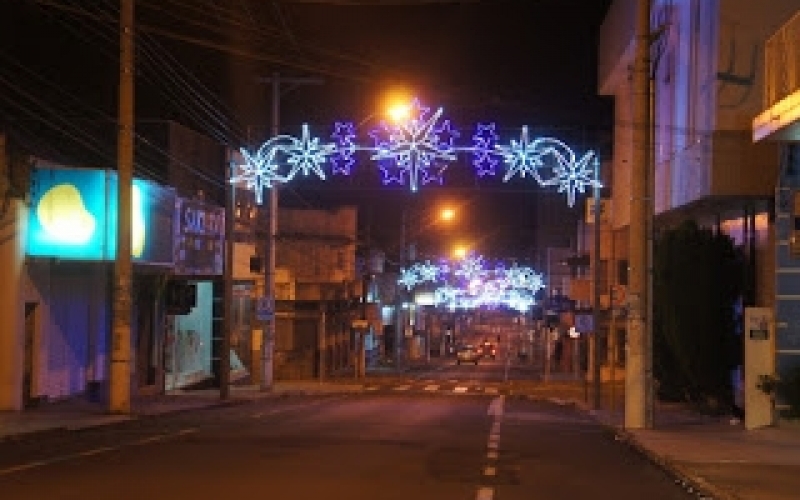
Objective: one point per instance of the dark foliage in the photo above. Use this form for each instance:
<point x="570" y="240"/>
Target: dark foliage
<point x="697" y="281"/>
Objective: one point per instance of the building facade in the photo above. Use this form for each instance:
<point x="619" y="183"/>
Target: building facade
<point x="706" y="88"/>
<point x="778" y="123"/>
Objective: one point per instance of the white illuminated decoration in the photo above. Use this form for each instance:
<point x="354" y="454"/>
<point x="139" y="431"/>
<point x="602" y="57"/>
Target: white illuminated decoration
<point x="551" y="163"/>
<point x="295" y="155"/>
<point x="469" y="284"/>
<point x="306" y="155"/>
<point x="416" y="151"/>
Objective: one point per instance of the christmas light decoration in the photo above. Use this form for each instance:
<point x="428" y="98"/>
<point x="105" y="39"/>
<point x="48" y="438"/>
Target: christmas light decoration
<point x="304" y="155"/>
<point x="416" y="151"/>
<point x="470" y="284"/>
<point x="484" y="151"/>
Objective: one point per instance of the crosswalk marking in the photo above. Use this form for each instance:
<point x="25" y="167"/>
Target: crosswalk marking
<point x="434" y="386"/>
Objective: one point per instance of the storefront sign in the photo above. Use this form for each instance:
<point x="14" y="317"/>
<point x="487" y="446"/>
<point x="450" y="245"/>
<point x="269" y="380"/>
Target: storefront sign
<point x="74" y="216"/>
<point x="199" y="238"/>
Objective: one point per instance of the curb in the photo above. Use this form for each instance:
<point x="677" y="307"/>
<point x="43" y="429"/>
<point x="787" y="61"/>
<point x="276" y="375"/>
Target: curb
<point x="689" y="480"/>
<point x="684" y="476"/>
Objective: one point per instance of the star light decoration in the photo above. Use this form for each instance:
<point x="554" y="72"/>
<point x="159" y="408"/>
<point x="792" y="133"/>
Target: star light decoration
<point x="416" y="152"/>
<point x="469" y="284"/>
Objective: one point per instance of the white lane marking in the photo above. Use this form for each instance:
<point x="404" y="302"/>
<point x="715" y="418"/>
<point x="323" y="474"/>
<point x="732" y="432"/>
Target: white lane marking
<point x="151" y="439"/>
<point x="485" y="494"/>
<point x="496" y="407"/>
<point x="489" y="471"/>
<point x="95" y="451"/>
<point x="460" y="389"/>
<point x="492" y="445"/>
<point x="491" y="390"/>
<point x="183" y="432"/>
<point x="402" y="388"/>
<point x="22" y="467"/>
<point x="492" y="455"/>
<point x="371" y="388"/>
<point x="431" y="387"/>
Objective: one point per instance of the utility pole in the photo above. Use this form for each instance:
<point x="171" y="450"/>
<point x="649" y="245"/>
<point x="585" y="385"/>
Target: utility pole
<point x="638" y="374"/>
<point x="596" y="290"/>
<point x="227" y="297"/>
<point x="268" y="342"/>
<point x="120" y="371"/>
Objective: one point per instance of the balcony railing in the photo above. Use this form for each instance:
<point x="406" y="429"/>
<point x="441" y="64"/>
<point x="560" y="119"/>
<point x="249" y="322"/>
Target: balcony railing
<point x="782" y="63"/>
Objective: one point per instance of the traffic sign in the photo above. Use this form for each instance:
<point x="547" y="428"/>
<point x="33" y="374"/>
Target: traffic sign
<point x="584" y="323"/>
<point x="264" y="310"/>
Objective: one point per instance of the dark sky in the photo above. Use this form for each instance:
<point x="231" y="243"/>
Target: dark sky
<point x="513" y="62"/>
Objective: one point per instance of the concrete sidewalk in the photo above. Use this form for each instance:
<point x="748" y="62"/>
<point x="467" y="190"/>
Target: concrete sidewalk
<point x="714" y="457"/>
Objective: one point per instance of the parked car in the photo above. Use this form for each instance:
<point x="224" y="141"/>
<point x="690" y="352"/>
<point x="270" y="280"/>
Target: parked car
<point x="468" y="354"/>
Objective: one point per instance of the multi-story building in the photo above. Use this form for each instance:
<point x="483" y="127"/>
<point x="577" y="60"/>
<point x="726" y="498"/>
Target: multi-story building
<point x="779" y="123"/>
<point x="706" y="88"/>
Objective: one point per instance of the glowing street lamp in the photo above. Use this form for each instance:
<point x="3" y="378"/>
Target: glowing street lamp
<point x="447" y="214"/>
<point x="460" y="251"/>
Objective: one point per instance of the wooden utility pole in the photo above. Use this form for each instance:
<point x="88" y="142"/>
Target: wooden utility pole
<point x="120" y="372"/>
<point x="598" y="386"/>
<point x="268" y="342"/>
<point x="638" y="371"/>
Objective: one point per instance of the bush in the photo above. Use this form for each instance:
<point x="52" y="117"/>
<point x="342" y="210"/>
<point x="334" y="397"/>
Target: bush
<point x="789" y="390"/>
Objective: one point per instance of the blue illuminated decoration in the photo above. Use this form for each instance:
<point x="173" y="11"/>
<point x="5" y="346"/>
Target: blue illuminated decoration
<point x="469" y="284"/>
<point x="416" y="151"/>
<point x="344" y="158"/>
<point x="485" y="140"/>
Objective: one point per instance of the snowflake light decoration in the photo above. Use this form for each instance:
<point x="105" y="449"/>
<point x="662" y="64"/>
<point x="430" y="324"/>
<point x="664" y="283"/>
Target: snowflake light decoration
<point x="304" y="155"/>
<point x="574" y="177"/>
<point x="470" y="284"/>
<point x="471" y="267"/>
<point x="415" y="150"/>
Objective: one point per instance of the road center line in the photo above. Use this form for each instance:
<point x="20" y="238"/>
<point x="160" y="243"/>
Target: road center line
<point x="485" y="494"/>
<point x="95" y="451"/>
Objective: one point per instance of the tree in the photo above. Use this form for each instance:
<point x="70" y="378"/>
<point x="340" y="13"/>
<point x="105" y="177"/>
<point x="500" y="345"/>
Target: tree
<point x="697" y="281"/>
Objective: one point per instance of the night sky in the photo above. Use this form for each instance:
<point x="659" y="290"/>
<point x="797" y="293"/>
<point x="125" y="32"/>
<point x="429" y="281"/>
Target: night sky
<point x="199" y="61"/>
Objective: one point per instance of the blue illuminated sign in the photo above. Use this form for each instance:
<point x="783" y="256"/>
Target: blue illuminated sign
<point x="73" y="215"/>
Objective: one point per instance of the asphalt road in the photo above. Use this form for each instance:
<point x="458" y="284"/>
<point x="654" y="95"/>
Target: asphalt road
<point x="341" y="447"/>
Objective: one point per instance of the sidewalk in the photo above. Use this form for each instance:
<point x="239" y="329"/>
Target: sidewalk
<point x="714" y="457"/>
